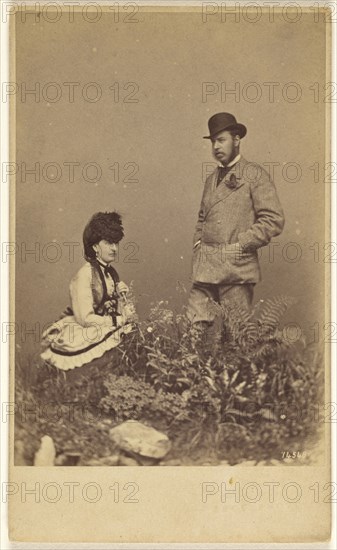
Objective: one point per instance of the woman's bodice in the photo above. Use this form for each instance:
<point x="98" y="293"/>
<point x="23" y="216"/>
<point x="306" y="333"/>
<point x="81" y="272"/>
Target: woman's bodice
<point x="90" y="297"/>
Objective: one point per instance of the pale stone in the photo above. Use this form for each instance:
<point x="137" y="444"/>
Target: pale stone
<point x="45" y="456"/>
<point x="135" y="437"/>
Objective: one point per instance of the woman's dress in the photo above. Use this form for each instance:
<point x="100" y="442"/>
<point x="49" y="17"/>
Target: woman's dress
<point x="94" y="324"/>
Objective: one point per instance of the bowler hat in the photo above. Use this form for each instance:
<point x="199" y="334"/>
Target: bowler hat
<point x="224" y="121"/>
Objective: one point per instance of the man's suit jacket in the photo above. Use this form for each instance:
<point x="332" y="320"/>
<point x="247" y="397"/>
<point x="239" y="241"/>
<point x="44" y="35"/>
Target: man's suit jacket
<point x="236" y="218"/>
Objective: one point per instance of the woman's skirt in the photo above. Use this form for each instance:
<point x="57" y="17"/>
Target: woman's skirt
<point x="70" y="345"/>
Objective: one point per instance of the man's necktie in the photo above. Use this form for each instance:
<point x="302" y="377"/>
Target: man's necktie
<point x="223" y="170"/>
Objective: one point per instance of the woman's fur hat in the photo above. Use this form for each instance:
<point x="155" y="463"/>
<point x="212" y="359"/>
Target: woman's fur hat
<point x="102" y="226"/>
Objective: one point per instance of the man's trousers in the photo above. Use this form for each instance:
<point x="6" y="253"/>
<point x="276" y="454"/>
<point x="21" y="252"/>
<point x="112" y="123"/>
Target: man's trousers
<point x="204" y="297"/>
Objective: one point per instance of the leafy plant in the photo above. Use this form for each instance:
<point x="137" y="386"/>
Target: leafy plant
<point x="245" y="392"/>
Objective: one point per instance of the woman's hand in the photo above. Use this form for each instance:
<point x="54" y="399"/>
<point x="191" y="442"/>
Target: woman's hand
<point x="122" y="288"/>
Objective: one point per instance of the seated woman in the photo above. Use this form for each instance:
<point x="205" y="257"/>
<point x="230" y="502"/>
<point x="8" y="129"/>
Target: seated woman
<point x="100" y="313"/>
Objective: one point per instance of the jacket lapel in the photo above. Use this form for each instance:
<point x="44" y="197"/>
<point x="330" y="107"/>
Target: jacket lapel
<point x="229" y="184"/>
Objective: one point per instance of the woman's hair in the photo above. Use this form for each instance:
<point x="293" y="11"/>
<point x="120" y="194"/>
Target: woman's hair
<point x="102" y="226"/>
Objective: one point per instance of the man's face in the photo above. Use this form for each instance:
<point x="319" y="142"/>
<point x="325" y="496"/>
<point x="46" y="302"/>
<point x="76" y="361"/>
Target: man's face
<point x="225" y="147"/>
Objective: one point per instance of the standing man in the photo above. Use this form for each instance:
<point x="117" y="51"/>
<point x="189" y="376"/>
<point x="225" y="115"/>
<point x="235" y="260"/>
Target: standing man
<point x="239" y="213"/>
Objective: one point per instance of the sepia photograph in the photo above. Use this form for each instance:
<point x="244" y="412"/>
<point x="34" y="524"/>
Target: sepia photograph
<point x="170" y="252"/>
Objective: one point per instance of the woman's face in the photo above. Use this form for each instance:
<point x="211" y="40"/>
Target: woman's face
<point x="106" y="251"/>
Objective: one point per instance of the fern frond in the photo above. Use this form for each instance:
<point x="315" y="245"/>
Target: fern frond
<point x="272" y="311"/>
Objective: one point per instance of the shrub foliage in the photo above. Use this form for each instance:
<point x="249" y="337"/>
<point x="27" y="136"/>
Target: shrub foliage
<point x="241" y="391"/>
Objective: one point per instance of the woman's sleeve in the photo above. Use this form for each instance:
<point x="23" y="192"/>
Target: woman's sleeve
<point x="82" y="299"/>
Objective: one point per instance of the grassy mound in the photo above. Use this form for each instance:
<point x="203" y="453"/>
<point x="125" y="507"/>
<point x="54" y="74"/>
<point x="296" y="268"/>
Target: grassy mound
<point x="244" y="392"/>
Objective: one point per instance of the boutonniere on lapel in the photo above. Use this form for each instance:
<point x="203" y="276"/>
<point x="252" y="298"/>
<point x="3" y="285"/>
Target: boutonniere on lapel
<point x="232" y="182"/>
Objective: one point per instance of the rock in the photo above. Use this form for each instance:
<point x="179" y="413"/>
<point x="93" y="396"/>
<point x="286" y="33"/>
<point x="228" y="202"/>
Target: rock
<point x="127" y="461"/>
<point x="45" y="456"/>
<point x="135" y="437"/>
